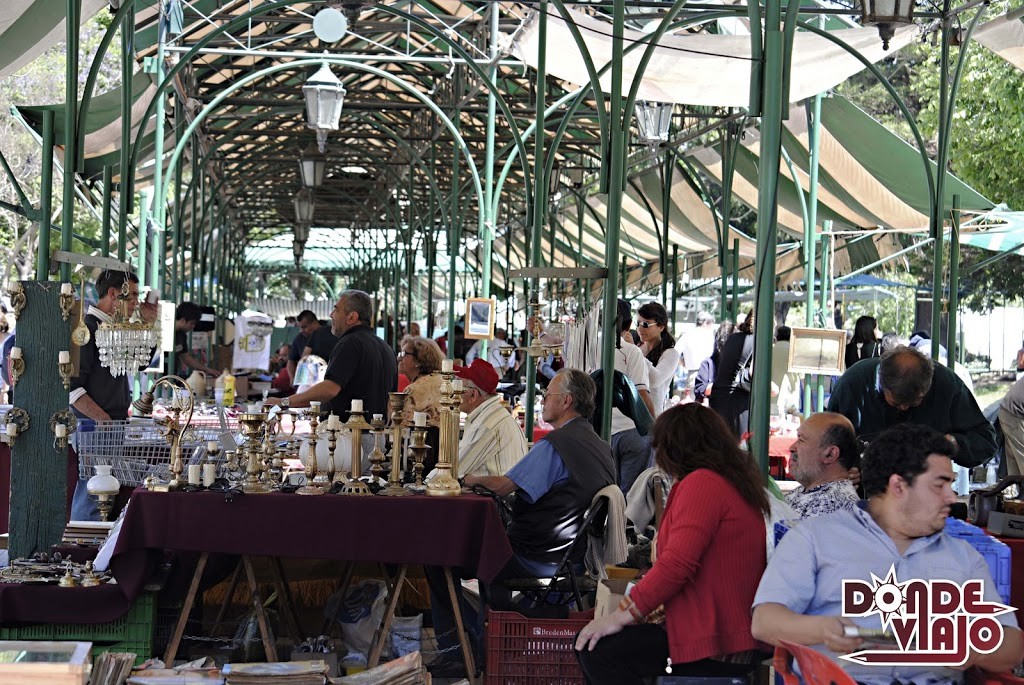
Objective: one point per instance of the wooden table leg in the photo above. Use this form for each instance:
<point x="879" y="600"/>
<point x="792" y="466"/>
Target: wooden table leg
<point x="232" y="586"/>
<point x="346" y="579"/>
<point x="285" y="600"/>
<point x="186" y="609"/>
<point x="389" y="614"/>
<point x="467" y="648"/>
<point x="261" y="616"/>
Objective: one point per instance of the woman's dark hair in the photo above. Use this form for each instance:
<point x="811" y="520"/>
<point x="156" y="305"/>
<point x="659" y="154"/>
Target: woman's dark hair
<point x="652" y="311"/>
<point x="725" y="329"/>
<point x="690" y="436"/>
<point x="864" y="330"/>
<point x="747" y="327"/>
<point x="623" y="321"/>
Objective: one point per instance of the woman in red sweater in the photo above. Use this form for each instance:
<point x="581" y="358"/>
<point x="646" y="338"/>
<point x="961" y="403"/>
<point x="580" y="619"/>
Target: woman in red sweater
<point x="710" y="556"/>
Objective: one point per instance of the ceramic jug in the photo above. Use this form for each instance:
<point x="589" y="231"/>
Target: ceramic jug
<point x="197" y="382"/>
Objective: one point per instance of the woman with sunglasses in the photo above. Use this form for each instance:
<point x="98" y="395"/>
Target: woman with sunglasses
<point x="659" y="347"/>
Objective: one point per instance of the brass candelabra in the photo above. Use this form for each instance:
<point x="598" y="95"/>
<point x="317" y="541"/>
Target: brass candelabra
<point x="443" y="484"/>
<point x="396" y="401"/>
<point x="253" y="427"/>
<point x="182" y="403"/>
<point x="356" y="424"/>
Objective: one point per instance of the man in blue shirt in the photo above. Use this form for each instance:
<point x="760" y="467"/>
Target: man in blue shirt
<point x="907" y="476"/>
<point x="554" y="485"/>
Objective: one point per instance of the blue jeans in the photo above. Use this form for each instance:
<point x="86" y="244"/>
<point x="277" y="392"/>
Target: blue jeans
<point x="83" y="505"/>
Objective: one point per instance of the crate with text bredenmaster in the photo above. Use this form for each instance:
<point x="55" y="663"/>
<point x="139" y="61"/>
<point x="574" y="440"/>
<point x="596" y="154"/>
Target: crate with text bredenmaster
<point x="996" y="553"/>
<point x="133" y="632"/>
<point x="533" y="651"/>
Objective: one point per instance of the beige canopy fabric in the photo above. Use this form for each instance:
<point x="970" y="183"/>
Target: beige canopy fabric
<point x="1005" y="37"/>
<point x="699" y="69"/>
<point x="28" y="28"/>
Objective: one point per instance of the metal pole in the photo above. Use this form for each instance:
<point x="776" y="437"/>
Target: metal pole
<point x="540" y="204"/>
<point x="614" y="177"/>
<point x="146" y="195"/>
<point x="108" y="189"/>
<point x="773" y="107"/>
<point x="810" y="239"/>
<point x="954" y="284"/>
<point x="675" y="287"/>
<point x="736" y="278"/>
<point x="489" y="217"/>
<point x="71" y="142"/>
<point x="826" y="247"/>
<point x="45" y="198"/>
<point x="124" y="191"/>
<point x="622" y="275"/>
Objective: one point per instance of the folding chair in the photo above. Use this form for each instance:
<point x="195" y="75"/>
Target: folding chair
<point x="565" y="578"/>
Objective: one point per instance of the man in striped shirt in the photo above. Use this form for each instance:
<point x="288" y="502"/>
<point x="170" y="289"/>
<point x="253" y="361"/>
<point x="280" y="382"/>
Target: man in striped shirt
<point x="492" y="441"/>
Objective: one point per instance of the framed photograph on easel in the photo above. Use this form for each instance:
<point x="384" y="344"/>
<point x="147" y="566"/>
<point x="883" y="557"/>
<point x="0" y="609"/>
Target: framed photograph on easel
<point x="817" y="350"/>
<point x="480" y="318"/>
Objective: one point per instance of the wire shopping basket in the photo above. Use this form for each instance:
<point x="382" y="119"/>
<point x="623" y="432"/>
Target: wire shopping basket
<point x="137" y="448"/>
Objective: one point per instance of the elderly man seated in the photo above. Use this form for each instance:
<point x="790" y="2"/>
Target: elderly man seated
<point x="895" y="537"/>
<point x="554" y="485"/>
<point x="492" y="442"/>
<point x="820" y="460"/>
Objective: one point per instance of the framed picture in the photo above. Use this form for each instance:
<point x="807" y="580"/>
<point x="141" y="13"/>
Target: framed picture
<point x="817" y="350"/>
<point x="480" y="318"/>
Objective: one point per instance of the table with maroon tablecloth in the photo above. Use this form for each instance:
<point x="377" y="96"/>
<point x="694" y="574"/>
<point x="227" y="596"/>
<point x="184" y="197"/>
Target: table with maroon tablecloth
<point x="463" y="533"/>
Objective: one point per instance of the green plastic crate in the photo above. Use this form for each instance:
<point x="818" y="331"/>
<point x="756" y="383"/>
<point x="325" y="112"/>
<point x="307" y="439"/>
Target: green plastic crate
<point x="133" y="632"/>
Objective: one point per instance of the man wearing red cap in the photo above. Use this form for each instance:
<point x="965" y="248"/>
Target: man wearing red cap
<point x="492" y="441"/>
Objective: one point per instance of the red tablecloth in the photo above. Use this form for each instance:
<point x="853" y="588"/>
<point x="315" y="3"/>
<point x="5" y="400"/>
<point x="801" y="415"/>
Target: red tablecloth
<point x="461" y="532"/>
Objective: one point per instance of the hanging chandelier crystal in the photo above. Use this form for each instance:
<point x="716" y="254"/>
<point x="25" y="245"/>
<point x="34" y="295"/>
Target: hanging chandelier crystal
<point x="126" y="342"/>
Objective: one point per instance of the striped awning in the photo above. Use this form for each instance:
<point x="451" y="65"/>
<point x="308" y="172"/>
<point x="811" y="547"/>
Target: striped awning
<point x="28" y="28"/>
<point x="1005" y="37"/>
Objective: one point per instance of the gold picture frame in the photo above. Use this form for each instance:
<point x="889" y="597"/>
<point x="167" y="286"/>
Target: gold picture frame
<point x="817" y="350"/>
<point x="479" y="318"/>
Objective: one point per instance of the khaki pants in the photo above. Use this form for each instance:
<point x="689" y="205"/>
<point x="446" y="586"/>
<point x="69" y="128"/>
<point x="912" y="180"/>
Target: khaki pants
<point x="1013" y="439"/>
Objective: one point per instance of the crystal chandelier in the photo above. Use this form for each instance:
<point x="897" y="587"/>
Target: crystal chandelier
<point x="126" y="343"/>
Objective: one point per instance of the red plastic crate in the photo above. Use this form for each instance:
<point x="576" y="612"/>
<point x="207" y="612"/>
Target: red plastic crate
<point x="533" y="651"/>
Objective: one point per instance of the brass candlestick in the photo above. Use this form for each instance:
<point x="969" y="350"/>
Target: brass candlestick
<point x="315" y="479"/>
<point x="253" y="426"/>
<point x="333" y="428"/>
<point x="377" y="455"/>
<point x="182" y="403"/>
<point x="232" y="469"/>
<point x="418" y="446"/>
<point x="396" y="400"/>
<point x="443" y="484"/>
<point x="356" y="424"/>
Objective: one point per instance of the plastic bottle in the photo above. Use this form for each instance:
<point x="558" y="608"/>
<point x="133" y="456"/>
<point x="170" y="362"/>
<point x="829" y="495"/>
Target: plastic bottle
<point x="229" y="389"/>
<point x="218" y="390"/>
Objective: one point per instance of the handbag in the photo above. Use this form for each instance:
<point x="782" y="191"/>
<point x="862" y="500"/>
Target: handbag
<point x="746" y="375"/>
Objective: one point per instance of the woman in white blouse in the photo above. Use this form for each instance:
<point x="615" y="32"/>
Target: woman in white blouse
<point x="659" y="347"/>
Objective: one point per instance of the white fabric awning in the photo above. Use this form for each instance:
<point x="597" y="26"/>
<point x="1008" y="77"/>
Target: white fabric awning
<point x="1005" y="37"/>
<point x="699" y="69"/>
<point x="28" y="28"/>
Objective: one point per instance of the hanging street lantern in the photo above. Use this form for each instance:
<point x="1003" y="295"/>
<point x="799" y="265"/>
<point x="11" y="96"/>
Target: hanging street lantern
<point x="297" y="250"/>
<point x="301" y="233"/>
<point x="324" y="96"/>
<point x="312" y="165"/>
<point x="653" y="119"/>
<point x="304" y="206"/>
<point x="886" y="15"/>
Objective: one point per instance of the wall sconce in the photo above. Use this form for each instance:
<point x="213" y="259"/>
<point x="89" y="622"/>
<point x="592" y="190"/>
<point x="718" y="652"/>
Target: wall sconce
<point x="16" y="291"/>
<point x="62" y="424"/>
<point x="17" y="365"/>
<point x="67" y="300"/>
<point x="65" y="367"/>
<point x="18" y="421"/>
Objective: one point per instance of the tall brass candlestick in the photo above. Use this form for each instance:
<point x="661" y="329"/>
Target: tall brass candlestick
<point x="396" y="400"/>
<point x="356" y="424"/>
<point x="377" y="456"/>
<point x="453" y="456"/>
<point x="315" y="478"/>
<point x="333" y="428"/>
<point x="418" y="446"/>
<point x="443" y="484"/>
<point x="252" y="426"/>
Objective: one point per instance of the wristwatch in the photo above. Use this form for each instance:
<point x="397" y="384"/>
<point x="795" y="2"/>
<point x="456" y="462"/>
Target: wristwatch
<point x="284" y="403"/>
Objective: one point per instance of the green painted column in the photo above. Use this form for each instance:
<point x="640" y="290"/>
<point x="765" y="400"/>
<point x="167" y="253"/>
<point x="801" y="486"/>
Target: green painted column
<point x="614" y="181"/>
<point x="71" y="141"/>
<point x="45" y="198"/>
<point x="773" y="104"/>
<point x="142" y="265"/>
<point x="954" y="284"/>
<point x="810" y="236"/>
<point x="105" y="222"/>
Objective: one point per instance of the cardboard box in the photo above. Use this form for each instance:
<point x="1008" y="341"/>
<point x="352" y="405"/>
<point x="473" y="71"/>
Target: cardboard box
<point x="331" y="658"/>
<point x="611" y="590"/>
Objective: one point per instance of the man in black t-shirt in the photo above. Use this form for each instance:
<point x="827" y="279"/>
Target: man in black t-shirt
<point x="321" y="343"/>
<point x="361" y="365"/>
<point x="308" y="326"/>
<point x="186" y="316"/>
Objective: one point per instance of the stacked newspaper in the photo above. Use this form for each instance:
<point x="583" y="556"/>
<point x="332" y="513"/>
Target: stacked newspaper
<point x="285" y="673"/>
